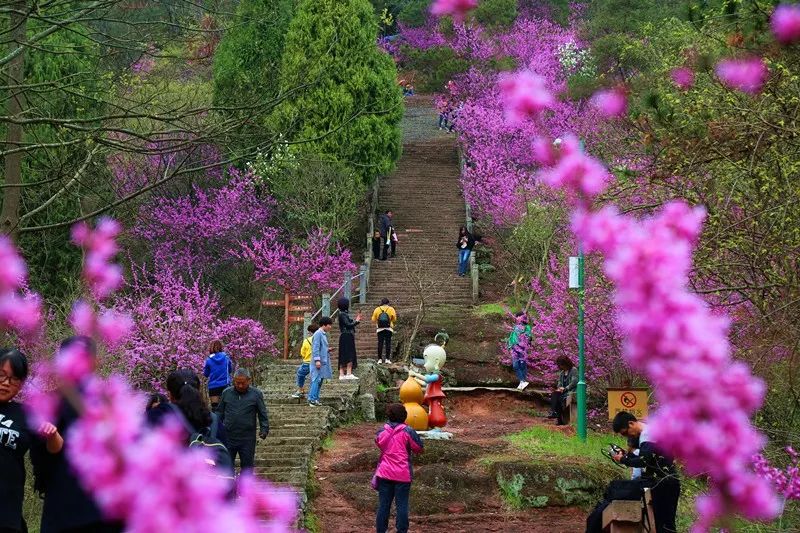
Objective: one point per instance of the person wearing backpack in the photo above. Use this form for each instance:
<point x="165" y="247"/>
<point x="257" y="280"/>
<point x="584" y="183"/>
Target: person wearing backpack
<point x="384" y="316"/>
<point x="395" y="469"/>
<point x="203" y="427"/>
<point x="239" y="408"/>
<point x="305" y="366"/>
<point x="218" y="369"/>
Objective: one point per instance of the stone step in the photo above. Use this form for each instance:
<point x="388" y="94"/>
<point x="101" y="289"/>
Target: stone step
<point x="271" y="460"/>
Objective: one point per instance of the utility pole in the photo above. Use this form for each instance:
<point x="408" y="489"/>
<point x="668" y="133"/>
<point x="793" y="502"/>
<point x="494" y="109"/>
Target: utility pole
<point x="581" y="352"/>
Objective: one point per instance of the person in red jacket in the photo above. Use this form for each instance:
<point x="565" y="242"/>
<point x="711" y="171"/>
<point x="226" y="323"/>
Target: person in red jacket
<point x="395" y="470"/>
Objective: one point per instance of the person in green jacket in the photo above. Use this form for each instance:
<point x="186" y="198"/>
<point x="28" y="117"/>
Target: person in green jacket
<point x="518" y="343"/>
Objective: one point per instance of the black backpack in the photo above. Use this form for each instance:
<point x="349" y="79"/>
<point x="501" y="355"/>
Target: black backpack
<point x="219" y="456"/>
<point x="384" y="320"/>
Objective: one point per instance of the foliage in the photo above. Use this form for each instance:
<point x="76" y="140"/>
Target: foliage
<point x="436" y="66"/>
<point x="311" y="194"/>
<point x="495" y="14"/>
<point x="175" y="319"/>
<point x="541" y="441"/>
<point x="350" y="106"/>
<point x="299" y="267"/>
<point x="414" y="13"/>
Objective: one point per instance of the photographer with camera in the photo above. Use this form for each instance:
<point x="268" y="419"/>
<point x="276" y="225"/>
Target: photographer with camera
<point x="657" y="471"/>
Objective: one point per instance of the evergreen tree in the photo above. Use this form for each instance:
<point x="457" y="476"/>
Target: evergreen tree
<point x="341" y="94"/>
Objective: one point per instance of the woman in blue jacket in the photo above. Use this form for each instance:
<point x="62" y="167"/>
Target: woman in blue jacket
<point x="218" y="370"/>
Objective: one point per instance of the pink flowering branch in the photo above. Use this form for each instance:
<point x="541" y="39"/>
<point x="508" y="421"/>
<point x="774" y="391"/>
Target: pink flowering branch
<point x="110" y="447"/>
<point x="672" y="337"/>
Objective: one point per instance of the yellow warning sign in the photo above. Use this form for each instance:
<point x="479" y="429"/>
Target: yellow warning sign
<point x="630" y="399"/>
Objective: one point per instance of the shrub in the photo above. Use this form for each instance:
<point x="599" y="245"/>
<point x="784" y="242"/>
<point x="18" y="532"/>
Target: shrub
<point x="436" y="66"/>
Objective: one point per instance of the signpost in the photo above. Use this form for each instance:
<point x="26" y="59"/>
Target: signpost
<point x="629" y="399"/>
<point x="291" y="304"/>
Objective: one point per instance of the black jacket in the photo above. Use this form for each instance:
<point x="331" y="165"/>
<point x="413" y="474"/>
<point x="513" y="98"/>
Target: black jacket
<point x="385" y="224"/>
<point x="346" y="323"/>
<point x="471" y="240"/>
<point x="238" y="413"/>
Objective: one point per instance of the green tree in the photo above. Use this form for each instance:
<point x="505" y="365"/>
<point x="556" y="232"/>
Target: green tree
<point x="247" y="60"/>
<point x="350" y="107"/>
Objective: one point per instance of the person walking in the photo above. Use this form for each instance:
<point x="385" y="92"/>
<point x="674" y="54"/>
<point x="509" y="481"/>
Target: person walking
<point x="218" y="369"/>
<point x="377" y="245"/>
<point x="518" y="343"/>
<point x="393" y="238"/>
<point x="348" y="359"/>
<point x="566" y="384"/>
<point x="305" y="366"/>
<point x="465" y="243"/>
<point x="385" y="225"/>
<point x="239" y="407"/>
<point x="321" y="359"/>
<point x="395" y="470"/>
<point x="384" y="316"/>
<point x="16" y="438"/>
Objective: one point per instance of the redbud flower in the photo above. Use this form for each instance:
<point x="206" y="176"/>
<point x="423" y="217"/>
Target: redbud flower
<point x="611" y="102"/>
<point x="113" y="327"/>
<point x="82" y="318"/>
<point x="12" y="267"/>
<point x="458" y="9"/>
<point x="74" y="363"/>
<point x="682" y="77"/>
<point x="746" y="75"/>
<point x="785" y="23"/>
<point x="524" y="95"/>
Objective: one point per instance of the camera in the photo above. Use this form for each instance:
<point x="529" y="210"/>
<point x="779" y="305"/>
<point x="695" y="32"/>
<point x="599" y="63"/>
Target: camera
<point x="613" y="450"/>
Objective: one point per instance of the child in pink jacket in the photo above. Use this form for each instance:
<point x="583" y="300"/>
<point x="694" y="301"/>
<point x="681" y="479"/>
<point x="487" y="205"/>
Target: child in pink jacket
<point x="395" y="470"/>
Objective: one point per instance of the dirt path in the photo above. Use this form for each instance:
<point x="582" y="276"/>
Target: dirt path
<point x="345" y="503"/>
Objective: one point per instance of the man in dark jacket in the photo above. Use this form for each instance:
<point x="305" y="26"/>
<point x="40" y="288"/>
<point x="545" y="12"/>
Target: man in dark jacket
<point x="385" y="224"/>
<point x="238" y="408"/>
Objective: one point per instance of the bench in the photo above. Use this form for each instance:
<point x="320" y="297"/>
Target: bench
<point x="570" y="411"/>
<point x="626" y="516"/>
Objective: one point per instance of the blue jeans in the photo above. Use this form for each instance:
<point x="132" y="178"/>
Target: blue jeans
<point x="520" y="368"/>
<point x="463" y="261"/>
<point x="316" y="388"/>
<point x="302" y="371"/>
<point x="387" y="491"/>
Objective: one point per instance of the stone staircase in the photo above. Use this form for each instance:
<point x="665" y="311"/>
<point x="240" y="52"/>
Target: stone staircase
<point x="297" y="429"/>
<point x="425" y="197"/>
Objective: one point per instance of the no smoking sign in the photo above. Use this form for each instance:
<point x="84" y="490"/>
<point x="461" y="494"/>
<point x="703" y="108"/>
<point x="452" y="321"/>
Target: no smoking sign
<point x="628" y="399"/>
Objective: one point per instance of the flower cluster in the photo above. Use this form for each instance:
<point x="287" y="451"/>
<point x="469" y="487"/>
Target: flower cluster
<point x="457" y="9"/>
<point x="19" y="311"/>
<point x="747" y="75"/>
<point x="787" y="480"/>
<point x="575" y="60"/>
<point x="115" y="454"/>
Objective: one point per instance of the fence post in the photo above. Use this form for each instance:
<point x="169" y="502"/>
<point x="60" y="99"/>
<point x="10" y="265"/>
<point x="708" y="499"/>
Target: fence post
<point x="348" y="285"/>
<point x="475" y="275"/>
<point x="362" y="285"/>
<point x="306" y="323"/>
<point x="326" y="304"/>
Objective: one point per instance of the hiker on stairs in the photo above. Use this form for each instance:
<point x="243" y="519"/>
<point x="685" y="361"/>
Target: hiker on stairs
<point x="348" y="359"/>
<point x="321" y="357"/>
<point x="305" y="366"/>
<point x="386" y="233"/>
<point x="384" y="317"/>
<point x="465" y="243"/>
<point x="239" y="408"/>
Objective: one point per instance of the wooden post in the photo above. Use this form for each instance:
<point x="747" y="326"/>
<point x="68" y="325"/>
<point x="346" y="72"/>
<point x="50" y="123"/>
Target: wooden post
<point x="286" y="323"/>
<point x="362" y="285"/>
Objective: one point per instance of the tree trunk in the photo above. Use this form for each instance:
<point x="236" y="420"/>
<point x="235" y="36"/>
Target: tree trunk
<point x="12" y="193"/>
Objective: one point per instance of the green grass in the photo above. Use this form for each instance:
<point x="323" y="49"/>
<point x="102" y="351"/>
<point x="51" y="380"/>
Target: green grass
<point x="327" y="443"/>
<point x="311" y="523"/>
<point x="541" y="441"/>
<point x="490" y="309"/>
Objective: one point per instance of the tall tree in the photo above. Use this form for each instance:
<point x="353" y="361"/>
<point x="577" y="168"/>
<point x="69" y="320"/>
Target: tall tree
<point x="350" y="109"/>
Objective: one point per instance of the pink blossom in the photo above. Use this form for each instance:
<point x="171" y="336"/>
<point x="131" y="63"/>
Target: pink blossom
<point x="785" y="23"/>
<point x="682" y="77"/>
<point x="525" y="95"/>
<point x="12" y="268"/>
<point x="611" y="102"/>
<point x="578" y="173"/>
<point x="82" y="319"/>
<point x="113" y="327"/>
<point x="74" y="363"/>
<point x="746" y="75"/>
<point x="458" y="9"/>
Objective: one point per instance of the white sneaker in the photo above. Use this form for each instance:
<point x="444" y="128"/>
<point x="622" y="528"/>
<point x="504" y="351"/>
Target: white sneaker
<point x="388" y="362"/>
<point x="522" y="385"/>
<point x="380" y="361"/>
<point x="351" y="376"/>
<point x="343" y="377"/>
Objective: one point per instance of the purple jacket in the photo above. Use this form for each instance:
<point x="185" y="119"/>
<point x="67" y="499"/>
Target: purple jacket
<point x="396" y="442"/>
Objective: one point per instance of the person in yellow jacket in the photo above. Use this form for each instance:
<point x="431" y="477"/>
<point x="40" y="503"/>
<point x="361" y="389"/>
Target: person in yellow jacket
<point x="305" y="366"/>
<point x="384" y="317"/>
